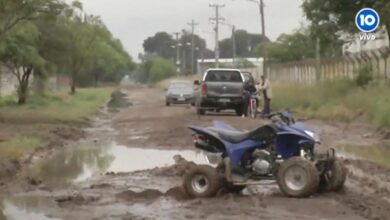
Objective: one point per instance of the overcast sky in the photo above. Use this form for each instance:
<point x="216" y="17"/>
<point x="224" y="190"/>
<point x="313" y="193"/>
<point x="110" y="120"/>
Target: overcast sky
<point x="133" y="21"/>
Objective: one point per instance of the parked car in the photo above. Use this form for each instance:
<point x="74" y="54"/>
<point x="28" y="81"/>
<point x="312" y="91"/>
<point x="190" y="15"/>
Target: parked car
<point x="220" y="89"/>
<point x="180" y="92"/>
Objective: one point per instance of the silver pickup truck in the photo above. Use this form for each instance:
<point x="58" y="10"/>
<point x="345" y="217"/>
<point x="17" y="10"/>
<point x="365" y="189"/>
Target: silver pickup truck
<point x="220" y="89"/>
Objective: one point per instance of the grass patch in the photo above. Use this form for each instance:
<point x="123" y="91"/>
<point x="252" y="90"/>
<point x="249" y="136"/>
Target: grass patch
<point x="336" y="100"/>
<point x="16" y="147"/>
<point x="372" y="153"/>
<point x="56" y="107"/>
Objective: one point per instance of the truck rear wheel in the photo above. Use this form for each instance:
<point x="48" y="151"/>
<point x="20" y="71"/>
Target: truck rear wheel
<point x="202" y="181"/>
<point x="239" y="111"/>
<point x="298" y="177"/>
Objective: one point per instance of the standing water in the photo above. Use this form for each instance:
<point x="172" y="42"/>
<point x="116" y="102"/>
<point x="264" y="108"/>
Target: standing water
<point x="77" y="164"/>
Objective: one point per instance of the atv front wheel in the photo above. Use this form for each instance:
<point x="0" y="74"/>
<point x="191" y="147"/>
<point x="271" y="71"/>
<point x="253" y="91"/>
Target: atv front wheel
<point x="298" y="177"/>
<point x="202" y="181"/>
<point x="334" y="178"/>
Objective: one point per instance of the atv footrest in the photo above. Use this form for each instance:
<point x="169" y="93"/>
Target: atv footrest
<point x="255" y="182"/>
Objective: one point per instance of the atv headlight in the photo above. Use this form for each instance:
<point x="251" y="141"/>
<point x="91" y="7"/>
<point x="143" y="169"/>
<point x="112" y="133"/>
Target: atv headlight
<point x="313" y="135"/>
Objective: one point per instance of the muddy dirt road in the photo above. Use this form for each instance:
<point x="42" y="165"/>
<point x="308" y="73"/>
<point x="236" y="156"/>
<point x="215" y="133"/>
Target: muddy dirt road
<point x="131" y="163"/>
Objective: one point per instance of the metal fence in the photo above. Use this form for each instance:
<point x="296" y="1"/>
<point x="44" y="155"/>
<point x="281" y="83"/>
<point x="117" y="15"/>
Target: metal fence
<point x="310" y="71"/>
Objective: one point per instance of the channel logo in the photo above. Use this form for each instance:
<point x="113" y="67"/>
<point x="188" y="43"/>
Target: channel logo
<point x="367" y="20"/>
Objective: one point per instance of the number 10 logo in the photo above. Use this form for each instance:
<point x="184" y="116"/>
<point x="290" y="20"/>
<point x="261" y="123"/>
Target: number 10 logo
<point x="367" y="20"/>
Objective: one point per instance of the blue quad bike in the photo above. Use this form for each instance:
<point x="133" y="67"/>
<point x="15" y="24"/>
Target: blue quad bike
<point x="283" y="150"/>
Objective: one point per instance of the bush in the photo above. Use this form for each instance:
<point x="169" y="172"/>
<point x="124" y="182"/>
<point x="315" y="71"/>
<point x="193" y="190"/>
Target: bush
<point x="161" y="69"/>
<point x="364" y="76"/>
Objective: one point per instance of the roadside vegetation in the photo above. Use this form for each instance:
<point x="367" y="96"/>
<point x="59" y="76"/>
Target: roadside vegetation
<point x="42" y="38"/>
<point x="18" y="146"/>
<point x="344" y="100"/>
<point x="57" y="107"/>
<point x="155" y="70"/>
<point x="45" y="110"/>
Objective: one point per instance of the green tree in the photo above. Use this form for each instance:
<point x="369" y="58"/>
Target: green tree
<point x="21" y="56"/>
<point x="161" y="44"/>
<point x="289" y="47"/>
<point x="143" y="70"/>
<point x="14" y="12"/>
<point x="81" y="36"/>
<point x="185" y="50"/>
<point x="161" y="69"/>
<point x="86" y="49"/>
<point x="245" y="44"/>
<point x="49" y="36"/>
<point x="107" y="60"/>
<point x="329" y="18"/>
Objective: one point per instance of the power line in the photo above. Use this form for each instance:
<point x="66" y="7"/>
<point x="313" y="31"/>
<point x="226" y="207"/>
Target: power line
<point x="192" y="24"/>
<point x="217" y="19"/>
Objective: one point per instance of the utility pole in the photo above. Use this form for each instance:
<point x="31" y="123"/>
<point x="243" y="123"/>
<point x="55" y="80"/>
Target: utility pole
<point x="217" y="19"/>
<point x="177" y="51"/>
<point x="192" y="24"/>
<point x="234" y="44"/>
<point x="261" y="7"/>
<point x="265" y="54"/>
<point x="260" y="3"/>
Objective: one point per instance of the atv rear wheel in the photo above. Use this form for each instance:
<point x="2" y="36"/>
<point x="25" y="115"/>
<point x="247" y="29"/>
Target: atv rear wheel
<point x="298" y="177"/>
<point x="202" y="181"/>
<point x="334" y="178"/>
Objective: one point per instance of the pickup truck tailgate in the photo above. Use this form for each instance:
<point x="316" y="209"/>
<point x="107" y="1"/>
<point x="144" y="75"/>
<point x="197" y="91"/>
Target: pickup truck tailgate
<point x="224" y="89"/>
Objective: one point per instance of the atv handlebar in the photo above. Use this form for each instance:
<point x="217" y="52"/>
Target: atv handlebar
<point x="281" y="116"/>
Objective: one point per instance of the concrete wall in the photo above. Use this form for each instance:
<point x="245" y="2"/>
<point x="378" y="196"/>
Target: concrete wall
<point x="8" y="82"/>
<point x="305" y="71"/>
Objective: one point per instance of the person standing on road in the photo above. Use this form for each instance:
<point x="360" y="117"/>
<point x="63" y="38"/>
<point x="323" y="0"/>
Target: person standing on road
<point x="265" y="89"/>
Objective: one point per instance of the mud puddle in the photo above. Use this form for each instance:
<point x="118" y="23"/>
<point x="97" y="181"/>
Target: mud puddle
<point x="27" y="207"/>
<point x="74" y="165"/>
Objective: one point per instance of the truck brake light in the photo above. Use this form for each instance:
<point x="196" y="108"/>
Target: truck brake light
<point x="204" y="89"/>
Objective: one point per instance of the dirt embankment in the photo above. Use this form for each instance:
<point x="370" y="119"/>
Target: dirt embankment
<point x="53" y="136"/>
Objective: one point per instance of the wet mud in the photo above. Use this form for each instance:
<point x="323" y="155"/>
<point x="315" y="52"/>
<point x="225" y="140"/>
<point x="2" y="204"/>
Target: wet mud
<point x="131" y="163"/>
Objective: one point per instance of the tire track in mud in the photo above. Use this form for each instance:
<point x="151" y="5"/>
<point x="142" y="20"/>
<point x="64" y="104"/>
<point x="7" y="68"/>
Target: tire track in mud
<point x="367" y="190"/>
<point x="363" y="195"/>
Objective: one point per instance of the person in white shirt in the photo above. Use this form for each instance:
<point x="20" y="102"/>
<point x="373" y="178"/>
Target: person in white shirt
<point x="264" y="89"/>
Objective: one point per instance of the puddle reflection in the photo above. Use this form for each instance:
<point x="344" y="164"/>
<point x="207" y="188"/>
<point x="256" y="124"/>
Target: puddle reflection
<point x="74" y="165"/>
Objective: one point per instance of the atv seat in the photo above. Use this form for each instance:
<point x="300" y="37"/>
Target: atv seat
<point x="265" y="133"/>
<point x="234" y="136"/>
